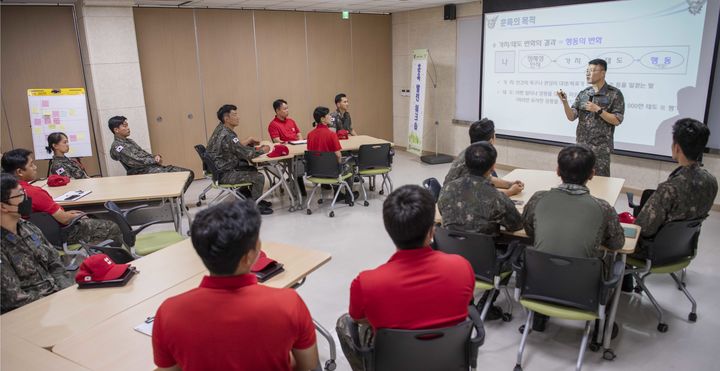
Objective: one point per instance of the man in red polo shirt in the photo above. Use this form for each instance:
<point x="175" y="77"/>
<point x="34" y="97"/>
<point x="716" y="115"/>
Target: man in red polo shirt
<point x="20" y="163"/>
<point x="418" y="288"/>
<point x="230" y="322"/>
<point x="282" y="128"/>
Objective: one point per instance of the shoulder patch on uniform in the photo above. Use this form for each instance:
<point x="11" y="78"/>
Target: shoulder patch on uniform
<point x="60" y="171"/>
<point x="236" y="140"/>
<point x="119" y="148"/>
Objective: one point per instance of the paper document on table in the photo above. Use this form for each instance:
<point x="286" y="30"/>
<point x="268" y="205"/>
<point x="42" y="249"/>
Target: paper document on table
<point x="146" y="327"/>
<point x="72" y="195"/>
<point x="298" y="142"/>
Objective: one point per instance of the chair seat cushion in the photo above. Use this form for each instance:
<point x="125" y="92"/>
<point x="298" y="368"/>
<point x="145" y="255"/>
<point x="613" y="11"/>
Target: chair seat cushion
<point x="232" y="186"/>
<point x="558" y="311"/>
<point x="317" y="180"/>
<point x="661" y="269"/>
<point x="148" y="243"/>
<point x="482" y="285"/>
<point x="378" y="171"/>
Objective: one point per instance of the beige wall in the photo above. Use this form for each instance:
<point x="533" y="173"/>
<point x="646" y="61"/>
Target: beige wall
<point x="426" y="29"/>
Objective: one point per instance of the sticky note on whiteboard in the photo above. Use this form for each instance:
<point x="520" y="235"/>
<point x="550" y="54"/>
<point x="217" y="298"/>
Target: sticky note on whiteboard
<point x="45" y="103"/>
<point x="37" y="122"/>
<point x="72" y="112"/>
<point x="56" y="120"/>
<point x="80" y="136"/>
<point x="37" y="130"/>
<point x="35" y="110"/>
<point x="51" y="127"/>
<point x="73" y="137"/>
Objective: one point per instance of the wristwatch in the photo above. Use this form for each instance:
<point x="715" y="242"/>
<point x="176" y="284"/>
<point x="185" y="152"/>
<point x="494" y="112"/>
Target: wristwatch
<point x="600" y="112"/>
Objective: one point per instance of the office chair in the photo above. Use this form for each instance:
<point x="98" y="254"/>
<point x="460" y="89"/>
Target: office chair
<point x="322" y="168"/>
<point x="211" y="171"/>
<point x="479" y="249"/>
<point x="441" y="349"/>
<point x="562" y="287"/>
<point x="140" y="244"/>
<point x="432" y="185"/>
<point x="672" y="249"/>
<point x="373" y="160"/>
<point x="643" y="199"/>
<point x="117" y="254"/>
<point x="57" y="235"/>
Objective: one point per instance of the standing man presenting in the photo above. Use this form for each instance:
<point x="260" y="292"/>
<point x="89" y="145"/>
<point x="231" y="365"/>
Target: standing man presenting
<point x="600" y="108"/>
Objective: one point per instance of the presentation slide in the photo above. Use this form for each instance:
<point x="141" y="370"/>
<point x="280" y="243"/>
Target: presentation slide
<point x="658" y="52"/>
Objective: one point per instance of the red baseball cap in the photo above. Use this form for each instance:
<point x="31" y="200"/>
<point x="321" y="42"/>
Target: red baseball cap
<point x="279" y="150"/>
<point x="57" y="180"/>
<point x="99" y="268"/>
<point x="262" y="262"/>
<point x="626" y="217"/>
<point x="342" y="134"/>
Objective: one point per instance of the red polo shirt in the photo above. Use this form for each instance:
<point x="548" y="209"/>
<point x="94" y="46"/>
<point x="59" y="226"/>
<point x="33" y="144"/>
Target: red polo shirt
<point x="323" y="139"/>
<point x="285" y="130"/>
<point x="41" y="199"/>
<point x="416" y="289"/>
<point x="231" y="323"/>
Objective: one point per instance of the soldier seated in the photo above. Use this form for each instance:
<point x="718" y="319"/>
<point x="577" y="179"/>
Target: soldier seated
<point x="19" y="162"/>
<point x="29" y="264"/>
<point x="471" y="203"/>
<point x="134" y="159"/>
<point x="61" y="164"/>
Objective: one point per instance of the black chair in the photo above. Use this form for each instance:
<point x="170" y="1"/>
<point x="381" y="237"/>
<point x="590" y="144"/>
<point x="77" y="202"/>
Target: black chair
<point x="117" y="254"/>
<point x="478" y="249"/>
<point x="57" y="235"/>
<point x="442" y="349"/>
<point x="671" y="250"/>
<point x="373" y="160"/>
<point x="211" y="171"/>
<point x="563" y="287"/>
<point x="146" y="243"/>
<point x="432" y="185"/>
<point x="322" y="168"/>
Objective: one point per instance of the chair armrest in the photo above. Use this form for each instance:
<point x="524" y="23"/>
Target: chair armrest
<point x="72" y="222"/>
<point x="133" y="209"/>
<point x="631" y="203"/>
<point x="140" y="228"/>
<point x="510" y="253"/>
<point x="479" y="339"/>
<point x="616" y="274"/>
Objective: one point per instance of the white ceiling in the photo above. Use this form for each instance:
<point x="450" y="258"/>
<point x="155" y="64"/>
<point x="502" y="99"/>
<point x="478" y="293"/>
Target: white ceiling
<point x="354" y="6"/>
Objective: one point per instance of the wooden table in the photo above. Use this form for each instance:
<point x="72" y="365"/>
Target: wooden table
<point x="71" y="311"/>
<point x="132" y="350"/>
<point x="286" y="165"/>
<point x="20" y="355"/>
<point x="143" y="187"/>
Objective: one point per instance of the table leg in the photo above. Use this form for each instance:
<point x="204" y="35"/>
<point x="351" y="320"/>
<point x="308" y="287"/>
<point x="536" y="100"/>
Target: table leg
<point x="609" y="354"/>
<point x="279" y="168"/>
<point x="176" y="214"/>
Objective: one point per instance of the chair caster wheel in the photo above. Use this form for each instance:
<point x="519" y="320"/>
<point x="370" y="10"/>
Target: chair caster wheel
<point x="372" y="188"/>
<point x="332" y="214"/>
<point x="506" y="317"/>
<point x="517" y="368"/>
<point x="662" y="327"/>
<point x="609" y="355"/>
<point x="330" y="365"/>
<point x="594" y="347"/>
<point x="308" y="211"/>
<point x="638" y="289"/>
<point x="521" y="329"/>
<point x="291" y="209"/>
<point x="203" y="198"/>
<point x="320" y="201"/>
<point x="366" y="204"/>
<point x="351" y="204"/>
<point x="198" y="204"/>
<point x="692" y="317"/>
<point x="382" y="192"/>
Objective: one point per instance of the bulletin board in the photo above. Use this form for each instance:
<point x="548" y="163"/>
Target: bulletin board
<point x="63" y="110"/>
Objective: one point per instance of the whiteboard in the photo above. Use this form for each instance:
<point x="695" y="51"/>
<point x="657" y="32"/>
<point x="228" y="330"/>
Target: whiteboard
<point x="63" y="110"/>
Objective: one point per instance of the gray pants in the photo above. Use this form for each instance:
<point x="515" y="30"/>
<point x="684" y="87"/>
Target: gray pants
<point x="366" y="337"/>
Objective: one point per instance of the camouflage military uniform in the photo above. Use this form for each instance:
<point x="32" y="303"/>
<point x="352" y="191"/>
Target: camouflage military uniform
<point x="30" y="267"/>
<point x="65" y="166"/>
<point x="471" y="203"/>
<point x="234" y="160"/>
<point x="568" y="221"/>
<point x="688" y="193"/>
<point x="458" y="168"/>
<point x="88" y="230"/>
<point x="340" y="121"/>
<point x="137" y="161"/>
<point x="592" y="130"/>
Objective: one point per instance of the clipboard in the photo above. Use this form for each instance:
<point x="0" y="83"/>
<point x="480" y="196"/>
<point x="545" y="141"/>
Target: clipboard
<point x="71" y="195"/>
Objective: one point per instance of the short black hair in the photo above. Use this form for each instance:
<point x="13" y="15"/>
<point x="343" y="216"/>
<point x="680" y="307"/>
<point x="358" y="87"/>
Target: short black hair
<point x="482" y="130"/>
<point x="599" y="62"/>
<point x="480" y="157"/>
<point x="115" y="122"/>
<point x="409" y="214"/>
<point x="575" y="164"/>
<point x="692" y="137"/>
<point x="224" y="110"/>
<point x="8" y="182"/>
<point x="319" y="113"/>
<point x="54" y="138"/>
<point x="15" y="159"/>
<point x="223" y="234"/>
<point x="339" y="97"/>
<point x="278" y="103"/>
